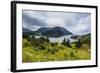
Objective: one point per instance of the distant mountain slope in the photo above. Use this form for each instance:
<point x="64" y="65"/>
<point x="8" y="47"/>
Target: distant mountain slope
<point x="26" y="30"/>
<point x="50" y="32"/>
<point x="86" y="39"/>
<point x="43" y="29"/>
<point x="56" y="32"/>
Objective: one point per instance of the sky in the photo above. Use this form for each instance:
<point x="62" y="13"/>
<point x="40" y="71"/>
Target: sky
<point x="77" y="23"/>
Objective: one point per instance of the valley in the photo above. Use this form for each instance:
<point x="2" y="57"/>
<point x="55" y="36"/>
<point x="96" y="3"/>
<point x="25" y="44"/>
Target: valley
<point x="46" y="47"/>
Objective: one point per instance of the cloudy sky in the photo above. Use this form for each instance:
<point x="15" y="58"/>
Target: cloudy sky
<point x="77" y="23"/>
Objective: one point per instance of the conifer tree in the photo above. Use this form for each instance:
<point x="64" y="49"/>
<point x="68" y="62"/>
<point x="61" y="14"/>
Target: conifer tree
<point x="78" y="44"/>
<point x="68" y="43"/>
<point x="47" y="39"/>
<point x="33" y="37"/>
<point x="64" y="42"/>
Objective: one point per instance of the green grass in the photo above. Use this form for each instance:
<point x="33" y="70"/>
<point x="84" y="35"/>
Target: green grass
<point x="35" y="51"/>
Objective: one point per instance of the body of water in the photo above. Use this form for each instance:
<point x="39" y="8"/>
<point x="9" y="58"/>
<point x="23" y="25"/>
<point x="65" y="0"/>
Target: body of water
<point x="59" y="39"/>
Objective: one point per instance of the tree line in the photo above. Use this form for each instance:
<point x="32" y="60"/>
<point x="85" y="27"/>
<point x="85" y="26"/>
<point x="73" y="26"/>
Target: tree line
<point x="65" y="42"/>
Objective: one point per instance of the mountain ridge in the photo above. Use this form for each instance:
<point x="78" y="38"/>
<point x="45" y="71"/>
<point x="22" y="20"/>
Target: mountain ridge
<point x="56" y="32"/>
<point x="51" y="32"/>
<point x="26" y="30"/>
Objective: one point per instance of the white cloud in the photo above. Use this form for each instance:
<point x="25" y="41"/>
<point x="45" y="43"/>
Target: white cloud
<point x="83" y="26"/>
<point x="34" y="28"/>
<point x="61" y="19"/>
<point x="53" y="22"/>
<point x="77" y="23"/>
<point x="34" y="14"/>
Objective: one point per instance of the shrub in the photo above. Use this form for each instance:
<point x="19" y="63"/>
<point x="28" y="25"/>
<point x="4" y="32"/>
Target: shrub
<point x="26" y="43"/>
<point x="41" y="47"/>
<point x="54" y="44"/>
<point x="28" y="54"/>
<point x="25" y="36"/>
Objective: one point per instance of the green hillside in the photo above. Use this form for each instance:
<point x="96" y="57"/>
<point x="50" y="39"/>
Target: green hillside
<point x="86" y="39"/>
<point x="42" y="50"/>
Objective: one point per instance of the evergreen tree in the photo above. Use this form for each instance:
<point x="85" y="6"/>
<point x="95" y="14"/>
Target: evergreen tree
<point x="64" y="42"/>
<point x="68" y="43"/>
<point x="47" y="39"/>
<point x="33" y="36"/>
<point x="78" y="44"/>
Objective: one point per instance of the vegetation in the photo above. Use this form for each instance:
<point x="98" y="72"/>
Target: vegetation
<point x="78" y="44"/>
<point x="42" y="50"/>
<point x="86" y="39"/>
<point x="66" y="43"/>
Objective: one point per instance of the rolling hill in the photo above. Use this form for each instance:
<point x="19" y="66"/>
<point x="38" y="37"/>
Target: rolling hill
<point x="86" y="39"/>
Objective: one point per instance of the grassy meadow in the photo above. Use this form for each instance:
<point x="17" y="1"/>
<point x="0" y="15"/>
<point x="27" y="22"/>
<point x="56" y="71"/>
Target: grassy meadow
<point x="42" y="50"/>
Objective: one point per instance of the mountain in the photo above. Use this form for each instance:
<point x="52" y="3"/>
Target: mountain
<point x="42" y="30"/>
<point x="74" y="36"/>
<point x="26" y="30"/>
<point x="49" y="32"/>
<point x="56" y="32"/>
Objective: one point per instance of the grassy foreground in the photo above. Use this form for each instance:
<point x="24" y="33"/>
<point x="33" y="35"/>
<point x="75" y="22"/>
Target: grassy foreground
<point x="39" y="50"/>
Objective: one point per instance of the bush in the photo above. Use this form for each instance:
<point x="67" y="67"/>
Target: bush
<point x="72" y="54"/>
<point x="25" y="36"/>
<point x="41" y="47"/>
<point x="54" y="44"/>
<point x="28" y="54"/>
<point x="26" y="43"/>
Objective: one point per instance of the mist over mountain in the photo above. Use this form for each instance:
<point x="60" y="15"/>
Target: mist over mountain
<point x="26" y="30"/>
<point x="56" y="32"/>
<point x="49" y="32"/>
<point x="43" y="29"/>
